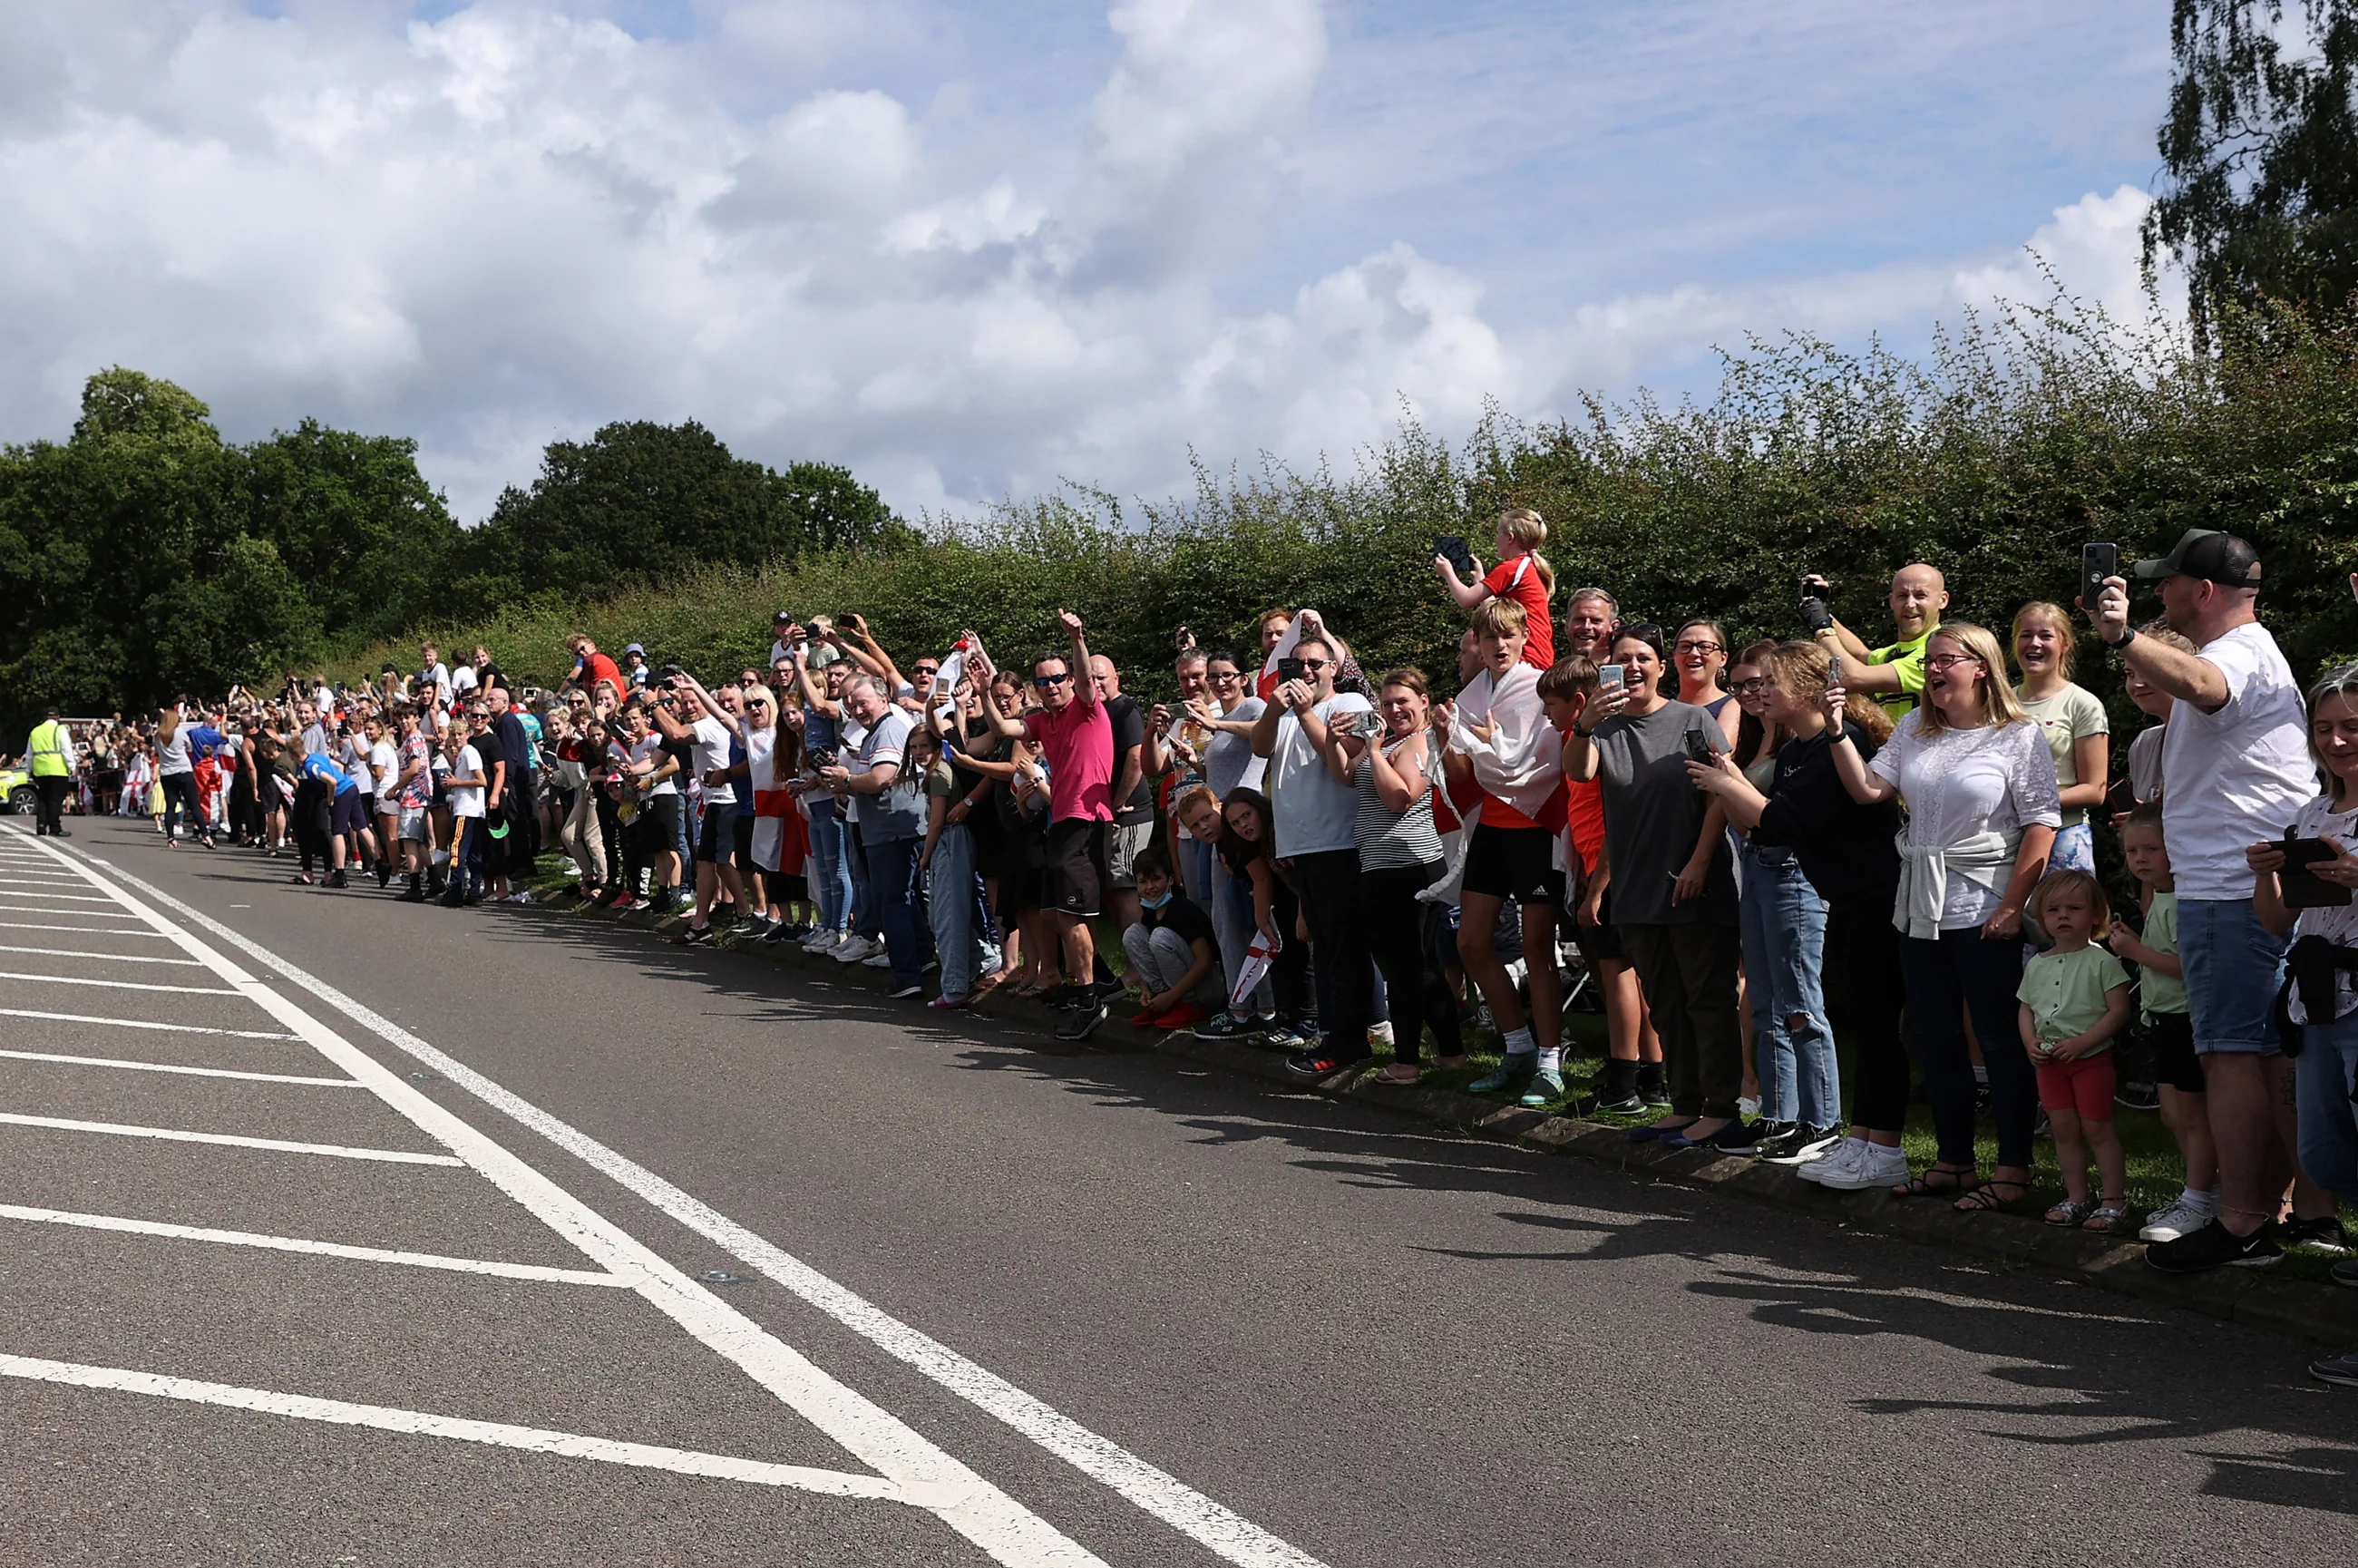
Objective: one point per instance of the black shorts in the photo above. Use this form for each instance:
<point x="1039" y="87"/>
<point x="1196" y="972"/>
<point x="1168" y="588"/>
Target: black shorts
<point x="345" y="814"/>
<point x="716" y="841"/>
<point x="2174" y="1060"/>
<point x="1077" y="866"/>
<point x="1600" y="944"/>
<point x="1513" y="862"/>
<point x="660" y="817"/>
<point x="745" y="842"/>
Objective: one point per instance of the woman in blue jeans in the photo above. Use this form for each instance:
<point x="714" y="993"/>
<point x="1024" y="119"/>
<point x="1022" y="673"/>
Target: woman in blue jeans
<point x="1982" y="812"/>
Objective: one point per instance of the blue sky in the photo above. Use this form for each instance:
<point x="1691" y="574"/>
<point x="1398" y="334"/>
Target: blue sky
<point x="973" y="250"/>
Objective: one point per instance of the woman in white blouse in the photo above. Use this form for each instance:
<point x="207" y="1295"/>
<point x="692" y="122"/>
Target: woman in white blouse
<point x="1979" y="783"/>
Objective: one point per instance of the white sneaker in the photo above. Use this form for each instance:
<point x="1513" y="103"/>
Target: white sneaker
<point x="852" y="949"/>
<point x="879" y="959"/>
<point x="1842" y="1156"/>
<point x="820" y="940"/>
<point x="1877" y="1167"/>
<point x="2180" y="1218"/>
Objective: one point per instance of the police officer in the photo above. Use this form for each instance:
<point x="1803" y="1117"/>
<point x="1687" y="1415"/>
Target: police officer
<point x="49" y="752"/>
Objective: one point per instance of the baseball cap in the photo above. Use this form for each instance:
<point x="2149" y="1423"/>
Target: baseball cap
<point x="2208" y="554"/>
<point x="782" y="618"/>
<point x="639" y="648"/>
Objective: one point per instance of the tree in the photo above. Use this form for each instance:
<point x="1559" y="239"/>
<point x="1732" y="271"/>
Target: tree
<point x="638" y="499"/>
<point x="2260" y="155"/>
<point x="355" y="521"/>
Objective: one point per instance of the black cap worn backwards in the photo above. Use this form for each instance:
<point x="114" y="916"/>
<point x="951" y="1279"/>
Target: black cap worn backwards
<point x="2210" y="555"/>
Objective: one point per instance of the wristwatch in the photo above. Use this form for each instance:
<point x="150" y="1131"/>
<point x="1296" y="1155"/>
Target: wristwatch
<point x="2128" y="637"/>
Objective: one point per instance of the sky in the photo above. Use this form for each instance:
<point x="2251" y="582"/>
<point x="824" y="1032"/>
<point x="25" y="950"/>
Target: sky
<point x="973" y="252"/>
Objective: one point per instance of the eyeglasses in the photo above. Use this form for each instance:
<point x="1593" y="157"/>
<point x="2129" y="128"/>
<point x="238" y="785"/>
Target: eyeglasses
<point x="1949" y="661"/>
<point x="1044" y="681"/>
<point x="1696" y="647"/>
<point x="929" y="669"/>
<point x="1223" y="676"/>
<point x="1746" y="687"/>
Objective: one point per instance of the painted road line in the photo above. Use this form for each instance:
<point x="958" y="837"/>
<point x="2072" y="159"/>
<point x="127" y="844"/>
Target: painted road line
<point x="319" y="1249"/>
<point x="179" y="1135"/>
<point x="116" y="985"/>
<point x="174" y="1068"/>
<point x="1209" y="1523"/>
<point x="79" y="930"/>
<point x="559" y="1445"/>
<point x="62" y="897"/>
<point x="109" y="958"/>
<point x="925" y="1474"/>
<point x="145" y="1023"/>
<point x="20" y="908"/>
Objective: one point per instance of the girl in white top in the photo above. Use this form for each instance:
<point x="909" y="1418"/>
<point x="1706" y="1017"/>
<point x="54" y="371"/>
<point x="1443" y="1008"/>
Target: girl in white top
<point x="1979" y="783"/>
<point x="2079" y="733"/>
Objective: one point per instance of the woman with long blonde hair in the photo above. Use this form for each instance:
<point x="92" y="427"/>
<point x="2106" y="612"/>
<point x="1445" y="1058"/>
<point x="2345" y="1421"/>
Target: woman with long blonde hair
<point x="2078" y="734"/>
<point x="1979" y="783"/>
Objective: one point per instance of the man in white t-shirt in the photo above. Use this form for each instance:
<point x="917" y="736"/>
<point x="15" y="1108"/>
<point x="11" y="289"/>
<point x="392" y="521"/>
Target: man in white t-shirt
<point x="465" y="785"/>
<point x="709" y="729"/>
<point x="2236" y="756"/>
<point x="1317" y="831"/>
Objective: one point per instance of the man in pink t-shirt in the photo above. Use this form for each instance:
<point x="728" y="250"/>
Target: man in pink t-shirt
<point x="1075" y="738"/>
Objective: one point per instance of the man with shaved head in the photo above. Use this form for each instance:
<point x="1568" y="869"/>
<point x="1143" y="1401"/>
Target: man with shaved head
<point x="1895" y="675"/>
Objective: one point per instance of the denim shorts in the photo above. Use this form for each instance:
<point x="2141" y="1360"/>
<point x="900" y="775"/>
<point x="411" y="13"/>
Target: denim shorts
<point x="2234" y="965"/>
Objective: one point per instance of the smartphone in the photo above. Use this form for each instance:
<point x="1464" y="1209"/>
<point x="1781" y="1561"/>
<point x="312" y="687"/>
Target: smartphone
<point x="1833" y="669"/>
<point x="1698" y="748"/>
<point x="2097" y="562"/>
<point x="1811" y="589"/>
<point x="1450" y="548"/>
<point x="2120" y="797"/>
<point x="2302" y="888"/>
<point x="1346" y="723"/>
<point x="1290" y="669"/>
<point x="1610" y="676"/>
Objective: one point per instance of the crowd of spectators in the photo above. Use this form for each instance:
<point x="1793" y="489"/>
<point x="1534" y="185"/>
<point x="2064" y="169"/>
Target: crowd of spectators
<point x="1739" y="856"/>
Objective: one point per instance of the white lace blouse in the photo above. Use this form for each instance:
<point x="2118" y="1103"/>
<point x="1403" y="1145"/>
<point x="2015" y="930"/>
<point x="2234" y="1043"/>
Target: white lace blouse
<point x="1964" y="785"/>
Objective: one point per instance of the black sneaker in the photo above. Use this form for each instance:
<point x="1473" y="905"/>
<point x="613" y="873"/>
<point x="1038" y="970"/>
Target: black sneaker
<point x="2324" y="1234"/>
<point x="336" y="879"/>
<point x="2342" y="1370"/>
<point x="2214" y="1246"/>
<point x="2345" y="1272"/>
<point x="694" y="937"/>
<point x="1080" y="1018"/>
<point x="414" y="893"/>
<point x="1772" y="1136"/>
<point x="1111" y="986"/>
<point x="1628" y="1105"/>
<point x="1799" y="1146"/>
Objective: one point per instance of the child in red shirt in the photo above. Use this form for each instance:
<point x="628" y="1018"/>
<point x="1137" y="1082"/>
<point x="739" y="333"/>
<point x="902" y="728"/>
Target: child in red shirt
<point x="1521" y="575"/>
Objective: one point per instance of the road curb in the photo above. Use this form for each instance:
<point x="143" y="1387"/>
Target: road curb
<point x="2004" y="1242"/>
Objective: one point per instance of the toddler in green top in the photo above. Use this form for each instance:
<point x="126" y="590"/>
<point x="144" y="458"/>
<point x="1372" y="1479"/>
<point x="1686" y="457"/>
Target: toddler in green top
<point x="2075" y="1001"/>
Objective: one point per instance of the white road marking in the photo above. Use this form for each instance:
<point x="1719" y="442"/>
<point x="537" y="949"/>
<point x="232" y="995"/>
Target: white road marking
<point x="174" y="1067"/>
<point x="560" y="1445"/>
<point x="65" y="897"/>
<point x="80" y="913"/>
<point x="321" y="1248"/>
<point x="116" y="985"/>
<point x="179" y="1135"/>
<point x="1211" y="1524"/>
<point x="922" y="1474"/>
<point x="144" y="1023"/>
<point x="78" y="930"/>
<point x="38" y="880"/>
<point x="109" y="958"/>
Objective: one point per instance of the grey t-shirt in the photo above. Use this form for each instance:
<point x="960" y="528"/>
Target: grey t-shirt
<point x="898" y="811"/>
<point x="1227" y="756"/>
<point x="1653" y="814"/>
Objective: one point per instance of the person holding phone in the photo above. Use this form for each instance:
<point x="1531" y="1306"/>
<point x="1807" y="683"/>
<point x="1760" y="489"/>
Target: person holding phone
<point x="1979" y="783"/>
<point x="2238" y="766"/>
<point x="1522" y="575"/>
<point x="1894" y="675"/>
<point x="2079" y="733"/>
<point x="1686" y="947"/>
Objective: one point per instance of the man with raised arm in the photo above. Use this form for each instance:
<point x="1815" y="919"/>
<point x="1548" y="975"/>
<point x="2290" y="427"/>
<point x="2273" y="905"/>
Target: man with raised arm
<point x="1893" y="675"/>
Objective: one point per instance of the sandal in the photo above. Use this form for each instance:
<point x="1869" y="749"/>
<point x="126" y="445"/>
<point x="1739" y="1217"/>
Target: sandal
<point x="2070" y="1212"/>
<point x="1397" y="1073"/>
<point x="1923" y="1186"/>
<point x="2109" y="1218"/>
<point x="1985" y="1197"/>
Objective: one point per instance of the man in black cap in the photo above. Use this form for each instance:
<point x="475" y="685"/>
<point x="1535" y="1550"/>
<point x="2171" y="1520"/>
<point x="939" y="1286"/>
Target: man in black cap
<point x="2236" y="769"/>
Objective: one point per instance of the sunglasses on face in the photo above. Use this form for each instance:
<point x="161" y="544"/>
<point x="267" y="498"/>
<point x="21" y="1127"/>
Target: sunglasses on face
<point x="1315" y="664"/>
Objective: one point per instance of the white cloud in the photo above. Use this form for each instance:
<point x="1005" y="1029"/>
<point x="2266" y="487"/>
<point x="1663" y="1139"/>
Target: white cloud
<point x="2092" y="248"/>
<point x="965" y="264"/>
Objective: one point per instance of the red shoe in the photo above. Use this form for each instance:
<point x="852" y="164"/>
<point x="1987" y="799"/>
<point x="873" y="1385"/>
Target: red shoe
<point x="1148" y="1020"/>
<point x="1181" y="1017"/>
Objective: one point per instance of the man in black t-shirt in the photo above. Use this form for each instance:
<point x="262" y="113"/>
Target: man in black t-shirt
<point x="1172" y="948"/>
<point x="1133" y="793"/>
<point x="500" y="769"/>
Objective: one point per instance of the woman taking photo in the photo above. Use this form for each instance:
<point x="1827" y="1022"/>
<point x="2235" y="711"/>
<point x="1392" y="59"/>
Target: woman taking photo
<point x="1682" y="939"/>
<point x="1400" y="857"/>
<point x="1979" y="783"/>
<point x="2078" y="734"/>
<point x="1849" y="870"/>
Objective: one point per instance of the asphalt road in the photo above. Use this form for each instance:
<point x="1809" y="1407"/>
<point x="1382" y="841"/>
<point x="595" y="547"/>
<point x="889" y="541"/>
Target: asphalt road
<point x="986" y="1304"/>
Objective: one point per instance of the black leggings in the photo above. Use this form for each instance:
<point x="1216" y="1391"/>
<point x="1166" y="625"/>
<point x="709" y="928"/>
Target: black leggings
<point x="180" y="798"/>
<point x="1866" y="996"/>
<point x="1398" y="927"/>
